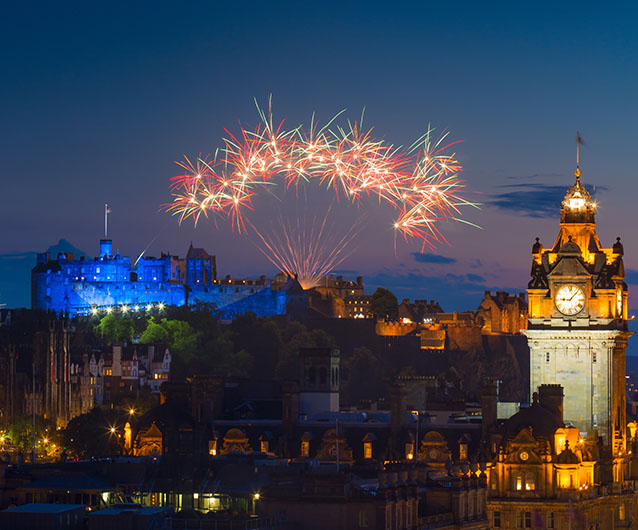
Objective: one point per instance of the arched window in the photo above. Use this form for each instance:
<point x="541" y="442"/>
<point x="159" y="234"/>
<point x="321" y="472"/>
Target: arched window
<point x="518" y="482"/>
<point x="530" y="482"/>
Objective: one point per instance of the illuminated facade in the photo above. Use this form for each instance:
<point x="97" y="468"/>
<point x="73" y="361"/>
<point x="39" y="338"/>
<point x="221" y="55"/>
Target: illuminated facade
<point x="577" y="331"/>
<point x="110" y="283"/>
<point x="545" y="473"/>
<point x="566" y="460"/>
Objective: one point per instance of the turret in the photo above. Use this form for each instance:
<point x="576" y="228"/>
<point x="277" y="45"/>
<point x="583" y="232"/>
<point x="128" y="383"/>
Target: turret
<point x="106" y="248"/>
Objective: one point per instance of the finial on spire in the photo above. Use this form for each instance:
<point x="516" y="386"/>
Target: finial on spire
<point x="579" y="142"/>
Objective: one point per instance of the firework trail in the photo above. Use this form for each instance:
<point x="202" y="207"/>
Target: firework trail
<point x="421" y="183"/>
<point x="307" y="246"/>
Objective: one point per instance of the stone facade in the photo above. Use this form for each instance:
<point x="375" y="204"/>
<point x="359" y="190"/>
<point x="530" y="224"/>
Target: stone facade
<point x="577" y="329"/>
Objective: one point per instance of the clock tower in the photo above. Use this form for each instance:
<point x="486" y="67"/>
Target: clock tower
<point x="577" y="322"/>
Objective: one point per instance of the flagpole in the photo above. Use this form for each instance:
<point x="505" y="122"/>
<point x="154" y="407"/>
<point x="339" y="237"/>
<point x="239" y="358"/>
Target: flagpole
<point x="578" y="150"/>
<point x="106" y="221"/>
<point x="579" y="142"/>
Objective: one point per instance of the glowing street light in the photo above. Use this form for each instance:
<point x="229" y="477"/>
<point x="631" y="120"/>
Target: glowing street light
<point x="131" y="411"/>
<point x="149" y="307"/>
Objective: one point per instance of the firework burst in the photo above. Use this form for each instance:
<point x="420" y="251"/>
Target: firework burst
<point x="421" y="183"/>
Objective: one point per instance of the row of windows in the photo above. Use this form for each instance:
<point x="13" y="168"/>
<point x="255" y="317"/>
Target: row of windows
<point x="525" y="520"/>
<point x="537" y="519"/>
<point x="594" y="357"/>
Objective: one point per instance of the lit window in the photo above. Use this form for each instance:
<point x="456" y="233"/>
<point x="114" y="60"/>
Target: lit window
<point x="305" y="449"/>
<point x="367" y="450"/>
<point x="519" y="482"/>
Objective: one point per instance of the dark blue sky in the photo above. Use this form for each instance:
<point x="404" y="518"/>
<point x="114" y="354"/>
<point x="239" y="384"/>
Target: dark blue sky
<point x="97" y="101"/>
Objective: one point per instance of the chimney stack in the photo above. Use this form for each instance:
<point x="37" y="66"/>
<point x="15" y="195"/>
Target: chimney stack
<point x="551" y="398"/>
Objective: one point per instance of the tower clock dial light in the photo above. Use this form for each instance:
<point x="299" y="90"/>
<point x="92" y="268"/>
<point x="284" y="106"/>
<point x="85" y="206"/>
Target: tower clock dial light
<point x="570" y="299"/>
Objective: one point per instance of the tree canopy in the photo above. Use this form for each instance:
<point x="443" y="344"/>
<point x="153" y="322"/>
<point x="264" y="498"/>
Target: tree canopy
<point x="384" y="305"/>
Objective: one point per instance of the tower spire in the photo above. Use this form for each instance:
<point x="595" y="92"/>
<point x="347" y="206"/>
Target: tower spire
<point x="579" y="142"/>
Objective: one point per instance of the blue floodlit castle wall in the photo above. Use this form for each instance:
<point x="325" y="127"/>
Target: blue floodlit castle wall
<point x="79" y="287"/>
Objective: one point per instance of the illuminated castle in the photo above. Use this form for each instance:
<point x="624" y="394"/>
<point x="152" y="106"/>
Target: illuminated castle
<point x="110" y="283"/>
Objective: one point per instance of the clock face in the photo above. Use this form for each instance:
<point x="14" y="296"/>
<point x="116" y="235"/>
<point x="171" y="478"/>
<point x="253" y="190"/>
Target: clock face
<point x="524" y="455"/>
<point x="619" y="302"/>
<point x="570" y="299"/>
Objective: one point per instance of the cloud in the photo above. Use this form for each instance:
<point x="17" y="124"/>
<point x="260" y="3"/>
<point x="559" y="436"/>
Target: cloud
<point x="431" y="258"/>
<point x="531" y="199"/>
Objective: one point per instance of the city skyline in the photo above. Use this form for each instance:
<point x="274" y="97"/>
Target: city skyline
<point x="110" y="117"/>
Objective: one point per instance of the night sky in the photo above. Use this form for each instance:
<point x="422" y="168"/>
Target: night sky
<point x="97" y="101"/>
